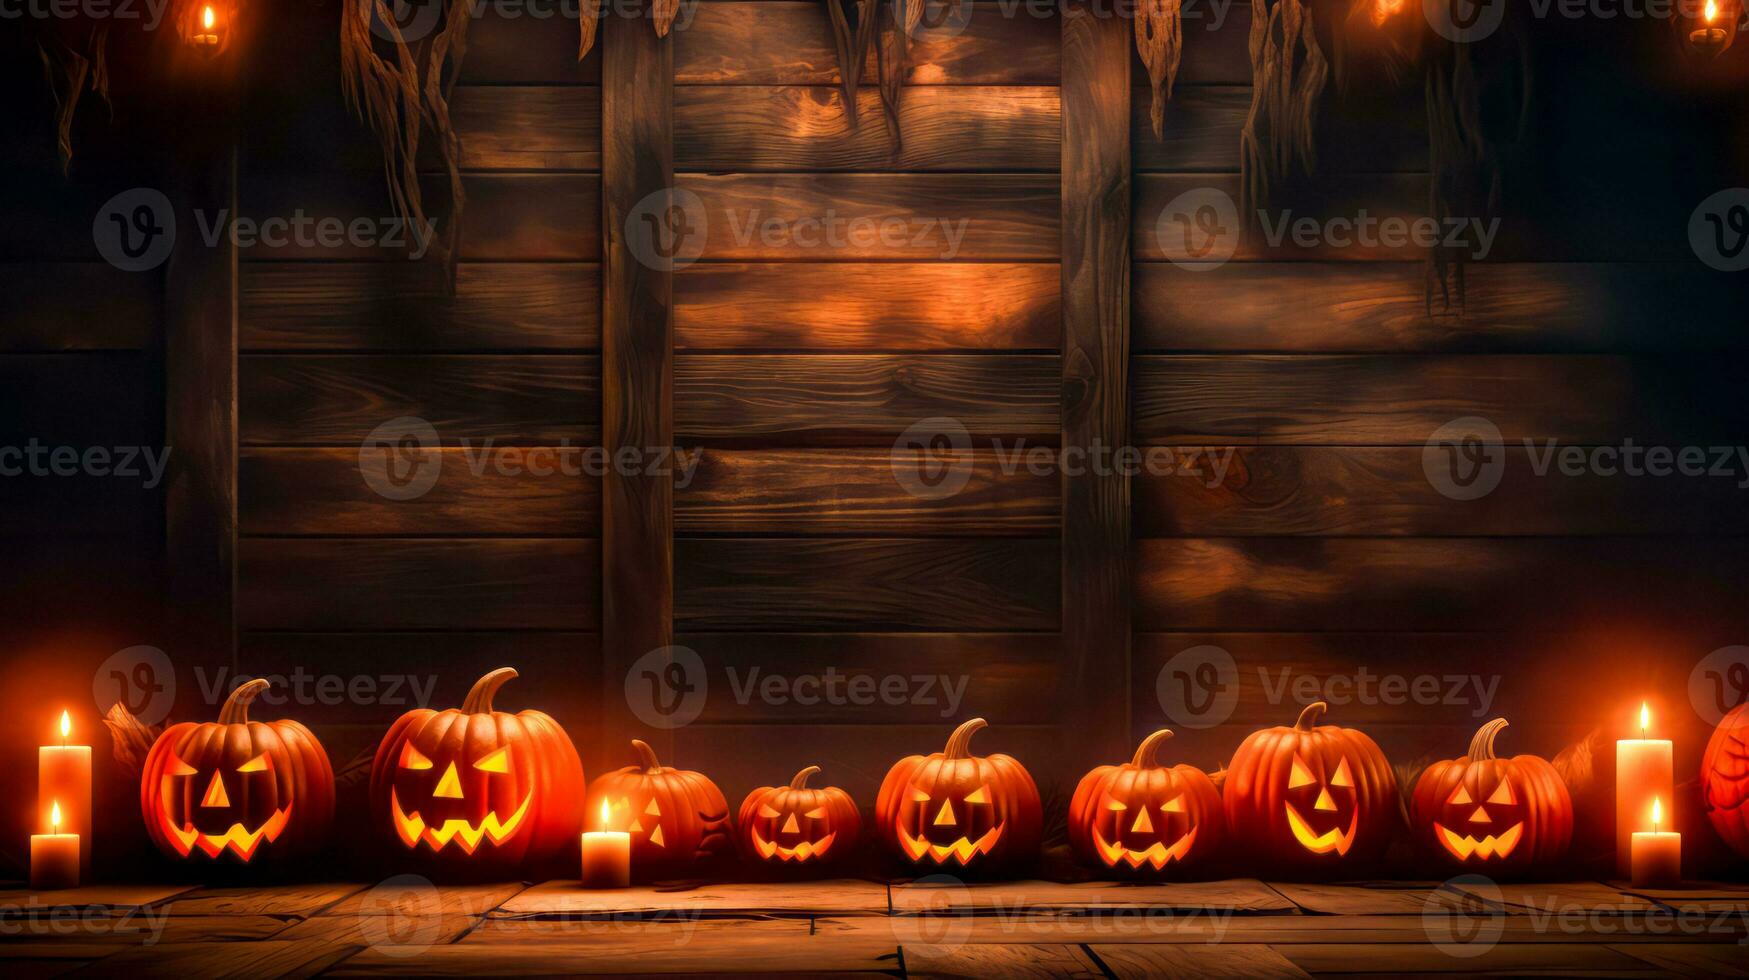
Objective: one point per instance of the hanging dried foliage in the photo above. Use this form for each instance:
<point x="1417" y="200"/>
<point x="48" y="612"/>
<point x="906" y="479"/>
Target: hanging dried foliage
<point x="886" y="27"/>
<point x="851" y="21"/>
<point x="1288" y="74"/>
<point x="1160" y="42"/>
<point x="75" y="58"/>
<point x="902" y="20"/>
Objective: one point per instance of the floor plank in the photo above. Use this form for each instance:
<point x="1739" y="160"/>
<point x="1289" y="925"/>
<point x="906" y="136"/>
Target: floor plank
<point x="107" y="896"/>
<point x="976" y="962"/>
<point x="1402" y="958"/>
<point x="1557" y="897"/>
<point x="220" y="961"/>
<point x="1241" y="894"/>
<point x="295" y="900"/>
<point x="381" y="930"/>
<point x="133" y="928"/>
<point x="411" y="895"/>
<point x="1392" y="899"/>
<point x="1239" y="961"/>
<point x="832" y="897"/>
<point x="1692" y="960"/>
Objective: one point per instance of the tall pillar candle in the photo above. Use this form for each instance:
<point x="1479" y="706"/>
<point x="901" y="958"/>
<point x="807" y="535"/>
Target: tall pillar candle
<point x="63" y="774"/>
<point x="1644" y="771"/>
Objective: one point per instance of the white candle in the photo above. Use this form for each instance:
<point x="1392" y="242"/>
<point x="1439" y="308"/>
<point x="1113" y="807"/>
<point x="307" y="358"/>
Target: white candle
<point x="1656" y="854"/>
<point x="54" y="856"/>
<point x="63" y="777"/>
<point x="607" y="856"/>
<point x="1644" y="771"/>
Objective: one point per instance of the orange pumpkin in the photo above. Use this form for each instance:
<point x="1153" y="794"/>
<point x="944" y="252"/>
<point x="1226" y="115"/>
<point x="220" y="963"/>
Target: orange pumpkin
<point x="1483" y="811"/>
<point x="955" y="808"/>
<point x="677" y="818"/>
<point x="259" y="792"/>
<point x="1724" y="779"/>
<point x="1311" y="797"/>
<point x="793" y="823"/>
<point x="1142" y="816"/>
<point x="477" y="787"/>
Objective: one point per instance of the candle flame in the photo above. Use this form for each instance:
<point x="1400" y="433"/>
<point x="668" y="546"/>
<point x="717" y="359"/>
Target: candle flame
<point x="66" y="726"/>
<point x="206" y="17"/>
<point x="1645" y="719"/>
<point x="55" y="817"/>
<point x="604" y="815"/>
<point x="1657" y="813"/>
<point x="1712" y="11"/>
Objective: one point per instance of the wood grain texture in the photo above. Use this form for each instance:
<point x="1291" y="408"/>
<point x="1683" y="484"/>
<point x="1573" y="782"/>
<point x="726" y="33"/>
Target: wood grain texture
<point x="516" y="43"/>
<point x="528" y="127"/>
<point x="396" y="306"/>
<point x="1339" y="196"/>
<point x="223" y="960"/>
<point x="288" y="900"/>
<point x="1361" y="131"/>
<point x="1505" y="958"/>
<point x="1245" y="895"/>
<point x="67" y="306"/>
<point x="1041" y="960"/>
<point x="871" y="397"/>
<point x="876" y="306"/>
<point x="411" y="583"/>
<point x="1095" y="370"/>
<point x="533" y="490"/>
<point x="833" y="896"/>
<point x="340" y="399"/>
<point x="887" y="217"/>
<point x="859" y="492"/>
<point x="1238" y="961"/>
<point x="760" y="128"/>
<point x="905" y="584"/>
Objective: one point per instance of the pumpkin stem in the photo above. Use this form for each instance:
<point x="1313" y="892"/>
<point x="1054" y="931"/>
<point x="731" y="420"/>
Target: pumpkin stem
<point x="479" y="700"/>
<point x="1145" y="752"/>
<point x="1309" y="717"/>
<point x="801" y="780"/>
<point x="646" y="755"/>
<point x="1482" y="746"/>
<point x="236" y="709"/>
<point x="959" y="744"/>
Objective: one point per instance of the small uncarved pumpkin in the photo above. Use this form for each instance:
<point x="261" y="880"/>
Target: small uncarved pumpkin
<point x="1143" y="817"/>
<point x="677" y="818"/>
<point x="1311" y="798"/>
<point x="955" y="809"/>
<point x="1484" y="812"/>
<point x="795" y="824"/>
<point x="240" y="790"/>
<point x="1724" y="779"/>
<point x="478" y="788"/>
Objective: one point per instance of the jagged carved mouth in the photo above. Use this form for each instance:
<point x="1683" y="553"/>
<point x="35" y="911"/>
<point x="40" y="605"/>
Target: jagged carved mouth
<point x="962" y="850"/>
<point x="1334" y="839"/>
<point x="801" y="852"/>
<point x="1158" y="854"/>
<point x="1488" y="847"/>
<point x="412" y="829"/>
<point x="241" y="840"/>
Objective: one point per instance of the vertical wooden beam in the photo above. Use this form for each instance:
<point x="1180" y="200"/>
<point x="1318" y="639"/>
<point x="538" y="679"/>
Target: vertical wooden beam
<point x="637" y="358"/>
<point x="1096" y="331"/>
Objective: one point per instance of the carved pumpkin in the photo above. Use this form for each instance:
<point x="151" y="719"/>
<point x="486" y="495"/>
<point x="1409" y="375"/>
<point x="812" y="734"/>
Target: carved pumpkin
<point x="481" y="788"/>
<point x="257" y="791"/>
<point x="1142" y="816"/>
<point x="1483" y="811"/>
<point x="955" y="808"/>
<point x="1311" y="797"/>
<point x="676" y="817"/>
<point x="793" y="823"/>
<point x="1724" y="779"/>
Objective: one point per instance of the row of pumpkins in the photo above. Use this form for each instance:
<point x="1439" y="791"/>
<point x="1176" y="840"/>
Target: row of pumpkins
<point x="497" y="790"/>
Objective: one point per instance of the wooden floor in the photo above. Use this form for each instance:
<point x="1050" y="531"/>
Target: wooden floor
<point x="1239" y="928"/>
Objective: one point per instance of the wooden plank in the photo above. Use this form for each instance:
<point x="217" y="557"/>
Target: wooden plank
<point x="118" y="897"/>
<point x="1529" y="307"/>
<point x="222" y="960"/>
<point x="1018" y="960"/>
<point x="30" y="929"/>
<point x="368" y="931"/>
<point x="537" y="490"/>
<point x="1345" y="196"/>
<point x="66" y="306"/>
<point x="414" y="583"/>
<point x="857" y="584"/>
<point x="394" y="900"/>
<point x="1203" y="122"/>
<point x="342" y="399"/>
<point x="403" y="306"/>
<point x="844" y="398"/>
<point x="1389" y="898"/>
<point x="1583" y="399"/>
<point x="283" y="900"/>
<point x="860" y="492"/>
<point x="1690" y="959"/>
<point x="1027" y="897"/>
<point x="730" y="127"/>
<point x="877" y="306"/>
<point x="1096" y="578"/>
<point x="1555" y="898"/>
<point x="827" y="678"/>
<point x="1403" y="958"/>
<point x="1237" y="961"/>
<point x="841" y="217"/>
<point x="528" y="127"/>
<point x="1242" y="491"/>
<point x="789" y="43"/>
<point x="517" y="43"/>
<point x="567" y="900"/>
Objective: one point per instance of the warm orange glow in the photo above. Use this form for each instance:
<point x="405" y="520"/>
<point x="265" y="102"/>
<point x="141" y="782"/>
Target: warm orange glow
<point x="962" y="850"/>
<point x="207" y="17"/>
<point x="1485" y="848"/>
<point x="1712" y="11"/>
<point x="66" y="727"/>
<point x="1334" y="839"/>
<point x="412" y="828"/>
<point x="1156" y="854"/>
<point x="606" y="815"/>
<point x="1657" y="813"/>
<point x="55" y="818"/>
<point x="1383" y="10"/>
<point x="1645" y="719"/>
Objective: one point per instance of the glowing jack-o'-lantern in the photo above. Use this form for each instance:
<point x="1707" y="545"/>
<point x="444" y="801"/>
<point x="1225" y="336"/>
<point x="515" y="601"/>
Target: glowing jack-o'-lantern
<point x="1142" y="816"/>
<point x="1310" y="797"/>
<point x="952" y="807"/>
<point x="781" y="824"/>
<point x="253" y="791"/>
<point x="677" y="818"/>
<point x="1506" y="814"/>
<point x="476" y="785"/>
<point x="1724" y="779"/>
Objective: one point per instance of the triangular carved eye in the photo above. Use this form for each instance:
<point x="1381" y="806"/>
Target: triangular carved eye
<point x="816" y="813"/>
<point x="769" y="812"/>
<point x="653" y="810"/>
<point x="1301" y="776"/>
<point x="1460" y="797"/>
<point x="1502" y="794"/>
<point x="498" y="761"/>
<point x="1343" y="777"/>
<point x="180" y="768"/>
<point x="979" y="795"/>
<point x="412" y="758"/>
<point x="1174" y="805"/>
<point x="260" y="763"/>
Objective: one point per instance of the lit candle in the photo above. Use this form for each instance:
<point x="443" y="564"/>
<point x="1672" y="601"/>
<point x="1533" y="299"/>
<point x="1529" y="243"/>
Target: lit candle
<point x="54" y="856"/>
<point x="1711" y="37"/>
<point x="209" y="35"/>
<point x="607" y="856"/>
<point x="1643" y="772"/>
<point x="1657" y="855"/>
<point x="63" y="775"/>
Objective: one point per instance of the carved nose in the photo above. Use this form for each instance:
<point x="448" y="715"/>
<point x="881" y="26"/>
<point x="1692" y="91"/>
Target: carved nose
<point x="1481" y="816"/>
<point x="945" y="817"/>
<point x="450" y="786"/>
<point x="1142" y="825"/>
<point x="790" y="826"/>
<point x="1324" y="800"/>
<point x="215" y="793"/>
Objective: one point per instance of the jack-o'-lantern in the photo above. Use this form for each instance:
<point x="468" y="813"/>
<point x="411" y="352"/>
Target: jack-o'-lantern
<point x="1724" y="779"/>
<point x="677" y="818"/>
<point x="1142" y="816"/>
<point x="477" y="787"/>
<point x="783" y="824"/>
<point x="1483" y="811"/>
<point x="954" y="808"/>
<point x="1311" y="797"/>
<point x="254" y="791"/>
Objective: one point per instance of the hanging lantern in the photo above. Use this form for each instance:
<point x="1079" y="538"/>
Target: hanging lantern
<point x="205" y="25"/>
<point x="1715" y="28"/>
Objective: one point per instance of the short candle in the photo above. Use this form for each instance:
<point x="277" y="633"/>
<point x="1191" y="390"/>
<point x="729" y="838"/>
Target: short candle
<point x="1643" y="772"/>
<point x="607" y="856"/>
<point x="54" y="856"/>
<point x="63" y="777"/>
<point x="1657" y="854"/>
